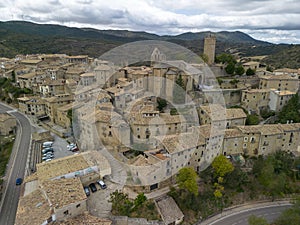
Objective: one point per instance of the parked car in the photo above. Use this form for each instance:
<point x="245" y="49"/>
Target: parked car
<point x="48" y="154"/>
<point x="93" y="187"/>
<point x="44" y="158"/>
<point x="47" y="160"/>
<point x="74" y="149"/>
<point x="45" y="150"/>
<point x="87" y="191"/>
<point x="102" y="184"/>
<point x="19" y="181"/>
<point x="71" y="146"/>
<point x="47" y="144"/>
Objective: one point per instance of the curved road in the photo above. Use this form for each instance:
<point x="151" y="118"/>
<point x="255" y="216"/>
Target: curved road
<point x="15" y="168"/>
<point x="270" y="213"/>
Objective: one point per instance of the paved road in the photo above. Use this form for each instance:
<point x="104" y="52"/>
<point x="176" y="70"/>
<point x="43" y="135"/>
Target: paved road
<point x="241" y="218"/>
<point x="17" y="164"/>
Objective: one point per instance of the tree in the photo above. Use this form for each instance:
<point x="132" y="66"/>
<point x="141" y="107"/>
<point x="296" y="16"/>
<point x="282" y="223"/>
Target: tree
<point x="269" y="68"/>
<point x="254" y="220"/>
<point x="121" y="205"/>
<point x="274" y="183"/>
<point x="187" y="179"/>
<point x="225" y="58"/>
<point x="230" y="68"/>
<point x="290" y="216"/>
<point x="250" y="72"/>
<point x="222" y="166"/>
<point x="239" y="70"/>
<point x="179" y="91"/>
<point x="70" y="115"/>
<point x="161" y="104"/>
<point x="13" y="76"/>
<point x="140" y="199"/>
<point x="252" y="120"/>
<point x="290" y="111"/>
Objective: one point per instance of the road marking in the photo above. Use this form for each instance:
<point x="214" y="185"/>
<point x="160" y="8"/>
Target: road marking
<point x="248" y="210"/>
<point x="12" y="111"/>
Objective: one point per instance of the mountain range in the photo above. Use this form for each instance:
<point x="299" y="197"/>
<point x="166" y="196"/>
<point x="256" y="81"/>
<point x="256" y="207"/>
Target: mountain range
<point x="20" y="37"/>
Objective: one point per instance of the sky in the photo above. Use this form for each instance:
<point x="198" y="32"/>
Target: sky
<point x="275" y="21"/>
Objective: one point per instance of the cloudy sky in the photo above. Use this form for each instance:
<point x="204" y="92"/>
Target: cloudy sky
<point x="276" y="21"/>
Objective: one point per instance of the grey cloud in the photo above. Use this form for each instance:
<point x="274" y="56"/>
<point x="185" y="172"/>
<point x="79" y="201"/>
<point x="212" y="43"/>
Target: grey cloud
<point x="159" y="17"/>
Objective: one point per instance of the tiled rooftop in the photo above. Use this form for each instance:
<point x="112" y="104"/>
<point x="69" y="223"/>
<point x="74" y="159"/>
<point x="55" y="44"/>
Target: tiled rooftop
<point x="62" y="192"/>
<point x="233" y="133"/>
<point x="62" y="166"/>
<point x="179" y="142"/>
<point x="33" y="209"/>
<point x="169" y="210"/>
<point x="85" y="219"/>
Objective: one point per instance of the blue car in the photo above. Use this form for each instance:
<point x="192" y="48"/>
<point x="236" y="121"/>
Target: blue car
<point x="19" y="181"/>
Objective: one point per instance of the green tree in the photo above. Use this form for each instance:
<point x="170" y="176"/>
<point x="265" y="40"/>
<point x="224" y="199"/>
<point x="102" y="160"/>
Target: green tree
<point x="250" y="72"/>
<point x="271" y="177"/>
<point x="252" y="120"/>
<point x="179" y="91"/>
<point x="225" y="58"/>
<point x="290" y="216"/>
<point x="140" y="199"/>
<point x="290" y="111"/>
<point x="173" y="111"/>
<point x="70" y="115"/>
<point x="230" y="68"/>
<point x="13" y="76"/>
<point x="254" y="220"/>
<point x="222" y="166"/>
<point x="161" y="104"/>
<point x="239" y="70"/>
<point x="187" y="179"/>
<point x="269" y="68"/>
<point x="121" y="205"/>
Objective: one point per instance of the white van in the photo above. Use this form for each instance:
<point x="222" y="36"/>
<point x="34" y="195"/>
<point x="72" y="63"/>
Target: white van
<point x="102" y="184"/>
<point x="47" y="144"/>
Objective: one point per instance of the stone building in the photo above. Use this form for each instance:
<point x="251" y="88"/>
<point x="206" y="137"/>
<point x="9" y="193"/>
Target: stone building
<point x="217" y="114"/>
<point x="279" y="98"/>
<point x="210" y="48"/>
<point x="255" y="100"/>
<point x="279" y="82"/>
<point x="55" y="192"/>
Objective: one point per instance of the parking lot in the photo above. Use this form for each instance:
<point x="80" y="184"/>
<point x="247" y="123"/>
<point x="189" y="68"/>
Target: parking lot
<point x="98" y="202"/>
<point x="59" y="148"/>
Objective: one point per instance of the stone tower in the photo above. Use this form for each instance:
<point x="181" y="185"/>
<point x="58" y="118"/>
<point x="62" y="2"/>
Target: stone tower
<point x="210" y="48"/>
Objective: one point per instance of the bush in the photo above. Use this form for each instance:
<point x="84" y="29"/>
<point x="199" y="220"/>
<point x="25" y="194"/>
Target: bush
<point x="239" y="70"/>
<point x="252" y="120"/>
<point x="250" y="72"/>
<point x="266" y="113"/>
<point x="230" y="68"/>
<point x="173" y="112"/>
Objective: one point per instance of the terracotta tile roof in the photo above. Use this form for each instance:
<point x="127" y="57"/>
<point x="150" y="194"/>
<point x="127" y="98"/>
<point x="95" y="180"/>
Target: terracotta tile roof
<point x="62" y="192"/>
<point x="85" y="219"/>
<point x="169" y="210"/>
<point x="33" y="208"/>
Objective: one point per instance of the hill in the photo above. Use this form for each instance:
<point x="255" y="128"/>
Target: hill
<point x="20" y="37"/>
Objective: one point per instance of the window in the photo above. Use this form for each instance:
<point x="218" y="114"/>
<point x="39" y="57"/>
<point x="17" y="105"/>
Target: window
<point x="66" y="212"/>
<point x="77" y="206"/>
